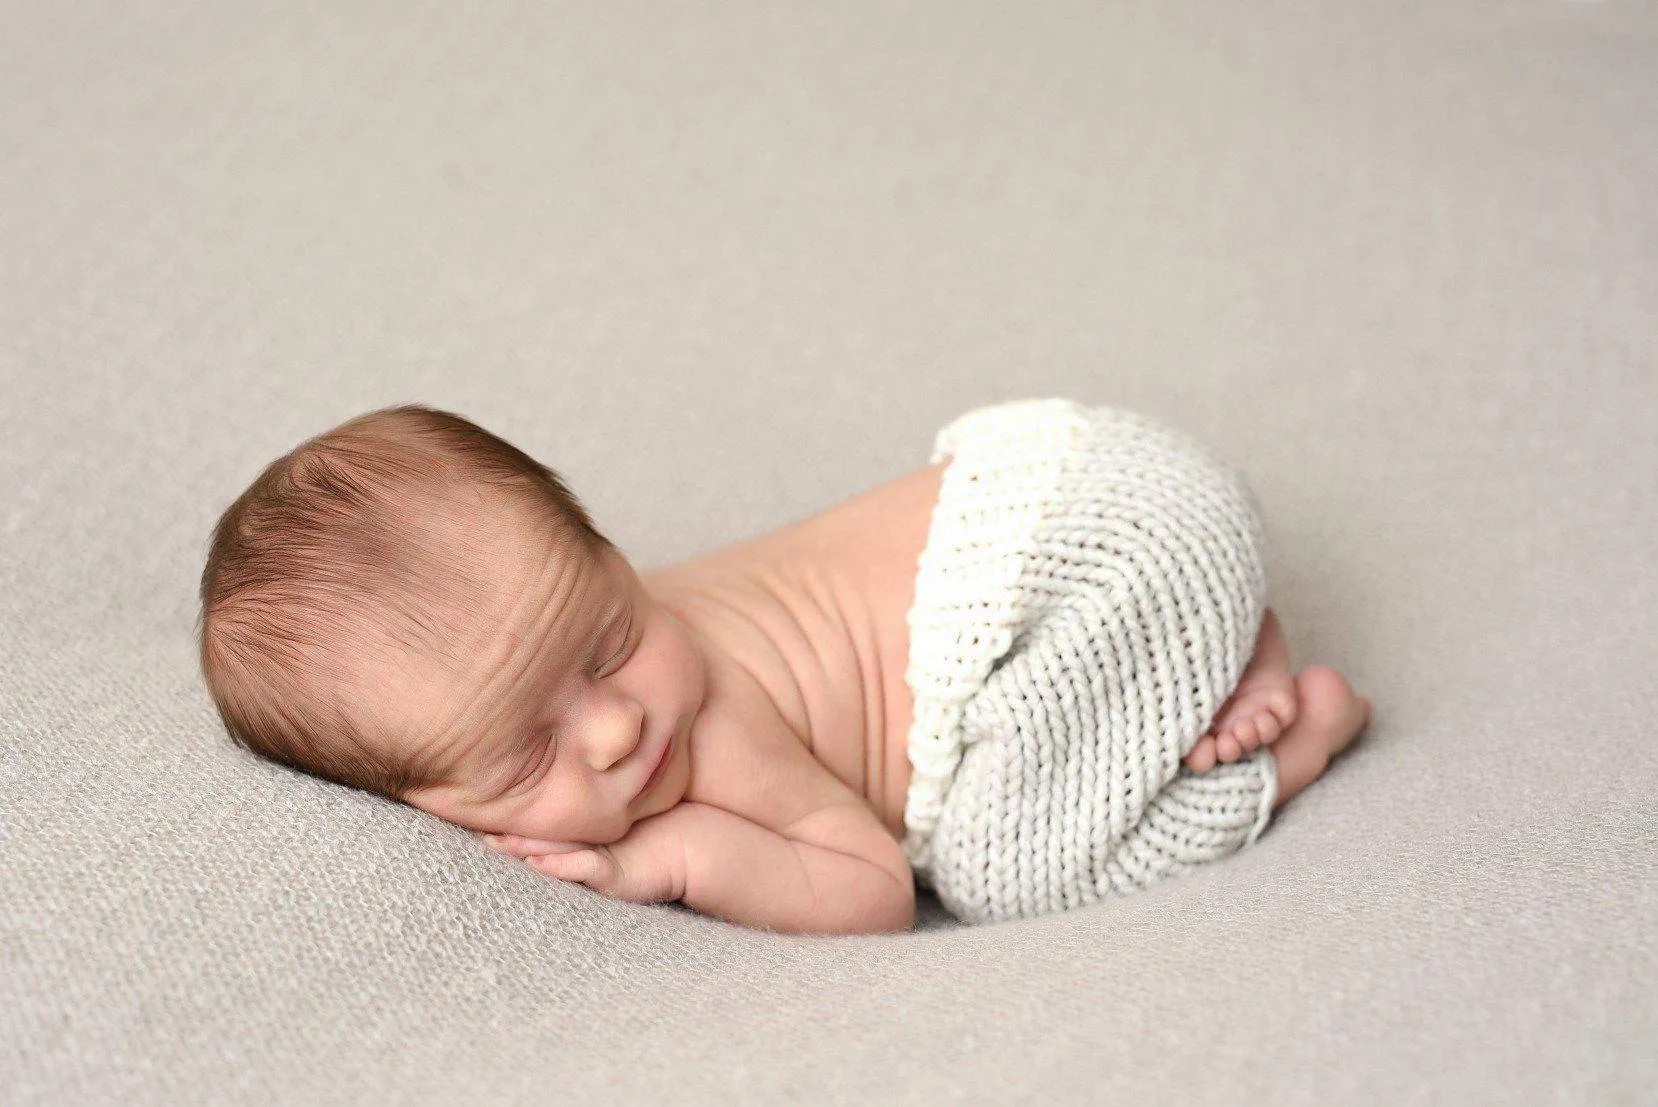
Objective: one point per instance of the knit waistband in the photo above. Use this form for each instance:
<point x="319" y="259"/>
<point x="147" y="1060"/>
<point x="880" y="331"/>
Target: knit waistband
<point x="1004" y="478"/>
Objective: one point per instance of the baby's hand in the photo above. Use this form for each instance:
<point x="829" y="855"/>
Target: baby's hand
<point x="645" y="865"/>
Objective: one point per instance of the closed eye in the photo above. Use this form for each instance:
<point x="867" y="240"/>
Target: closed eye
<point x="622" y="653"/>
<point x="534" y="770"/>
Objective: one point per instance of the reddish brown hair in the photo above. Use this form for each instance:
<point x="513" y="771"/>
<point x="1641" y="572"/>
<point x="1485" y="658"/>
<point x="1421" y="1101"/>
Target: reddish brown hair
<point x="325" y="538"/>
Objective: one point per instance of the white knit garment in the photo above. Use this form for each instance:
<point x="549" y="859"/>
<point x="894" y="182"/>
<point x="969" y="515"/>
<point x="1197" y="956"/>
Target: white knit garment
<point x="1091" y="589"/>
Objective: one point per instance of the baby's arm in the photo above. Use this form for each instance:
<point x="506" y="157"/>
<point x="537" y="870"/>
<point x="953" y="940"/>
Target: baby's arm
<point x="836" y="871"/>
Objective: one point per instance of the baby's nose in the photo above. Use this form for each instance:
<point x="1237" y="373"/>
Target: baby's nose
<point x="613" y="733"/>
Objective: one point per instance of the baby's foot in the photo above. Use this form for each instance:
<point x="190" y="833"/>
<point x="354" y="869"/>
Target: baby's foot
<point x="1329" y="717"/>
<point x="1260" y="708"/>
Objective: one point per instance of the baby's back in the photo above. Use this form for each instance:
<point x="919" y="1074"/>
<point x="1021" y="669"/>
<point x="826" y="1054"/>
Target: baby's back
<point x="815" y="613"/>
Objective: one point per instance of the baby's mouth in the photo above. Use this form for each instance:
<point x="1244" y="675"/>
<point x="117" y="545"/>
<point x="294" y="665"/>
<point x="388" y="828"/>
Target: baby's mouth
<point x="660" y="766"/>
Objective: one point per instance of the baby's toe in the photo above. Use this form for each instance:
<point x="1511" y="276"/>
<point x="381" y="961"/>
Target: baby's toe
<point x="1202" y="757"/>
<point x="1283" y="705"/>
<point x="1252" y="733"/>
<point x="1266" y="724"/>
<point x="1228" y="748"/>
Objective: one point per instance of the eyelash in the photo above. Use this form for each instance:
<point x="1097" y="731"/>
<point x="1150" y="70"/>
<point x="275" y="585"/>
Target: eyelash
<point x="532" y="771"/>
<point x="627" y="636"/>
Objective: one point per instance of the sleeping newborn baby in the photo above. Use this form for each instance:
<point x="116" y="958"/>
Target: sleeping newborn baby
<point x="1032" y="674"/>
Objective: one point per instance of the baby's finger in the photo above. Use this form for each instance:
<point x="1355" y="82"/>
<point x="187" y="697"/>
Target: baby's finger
<point x="587" y="866"/>
<point x="519" y="846"/>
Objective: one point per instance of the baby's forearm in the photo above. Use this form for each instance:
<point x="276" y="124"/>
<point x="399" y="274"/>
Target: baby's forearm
<point x="745" y="873"/>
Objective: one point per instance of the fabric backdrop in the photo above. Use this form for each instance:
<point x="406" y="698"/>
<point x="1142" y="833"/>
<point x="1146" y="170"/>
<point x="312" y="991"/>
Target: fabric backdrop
<point x="723" y="266"/>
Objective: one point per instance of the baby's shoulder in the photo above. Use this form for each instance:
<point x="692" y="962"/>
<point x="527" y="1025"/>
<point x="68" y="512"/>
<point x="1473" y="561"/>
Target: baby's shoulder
<point x="747" y="759"/>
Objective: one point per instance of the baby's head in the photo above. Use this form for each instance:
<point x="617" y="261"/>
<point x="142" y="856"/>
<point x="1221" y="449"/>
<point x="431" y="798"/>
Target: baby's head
<point x="409" y="605"/>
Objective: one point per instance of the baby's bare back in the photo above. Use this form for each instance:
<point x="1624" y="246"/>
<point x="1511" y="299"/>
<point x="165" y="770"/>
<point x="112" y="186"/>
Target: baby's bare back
<point x="814" y="613"/>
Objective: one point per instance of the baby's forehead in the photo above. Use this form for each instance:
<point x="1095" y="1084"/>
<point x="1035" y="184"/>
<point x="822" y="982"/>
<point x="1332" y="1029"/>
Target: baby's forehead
<point x="516" y="582"/>
<point x="445" y="638"/>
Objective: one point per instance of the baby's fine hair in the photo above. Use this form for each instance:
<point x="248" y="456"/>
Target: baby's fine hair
<point x="327" y="539"/>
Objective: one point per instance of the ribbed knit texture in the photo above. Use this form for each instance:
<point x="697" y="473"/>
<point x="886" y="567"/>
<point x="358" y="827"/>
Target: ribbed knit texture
<point x="1090" y="591"/>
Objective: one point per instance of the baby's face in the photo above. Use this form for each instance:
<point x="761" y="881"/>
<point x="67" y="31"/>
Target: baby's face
<point x="580" y="681"/>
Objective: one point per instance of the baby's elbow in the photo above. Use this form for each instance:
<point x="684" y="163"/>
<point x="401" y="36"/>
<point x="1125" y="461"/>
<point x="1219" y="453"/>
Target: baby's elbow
<point x="903" y="912"/>
<point x="889" y="913"/>
<point x="903" y="907"/>
<point x="880" y="903"/>
<point x="861" y="881"/>
<point x="894" y="910"/>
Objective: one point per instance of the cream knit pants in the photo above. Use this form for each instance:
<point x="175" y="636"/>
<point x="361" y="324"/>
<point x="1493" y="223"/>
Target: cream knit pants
<point x="1090" y="591"/>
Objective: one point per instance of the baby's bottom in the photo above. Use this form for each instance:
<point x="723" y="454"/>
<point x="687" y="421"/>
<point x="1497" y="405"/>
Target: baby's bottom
<point x="1047" y="775"/>
<point x="1329" y="717"/>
